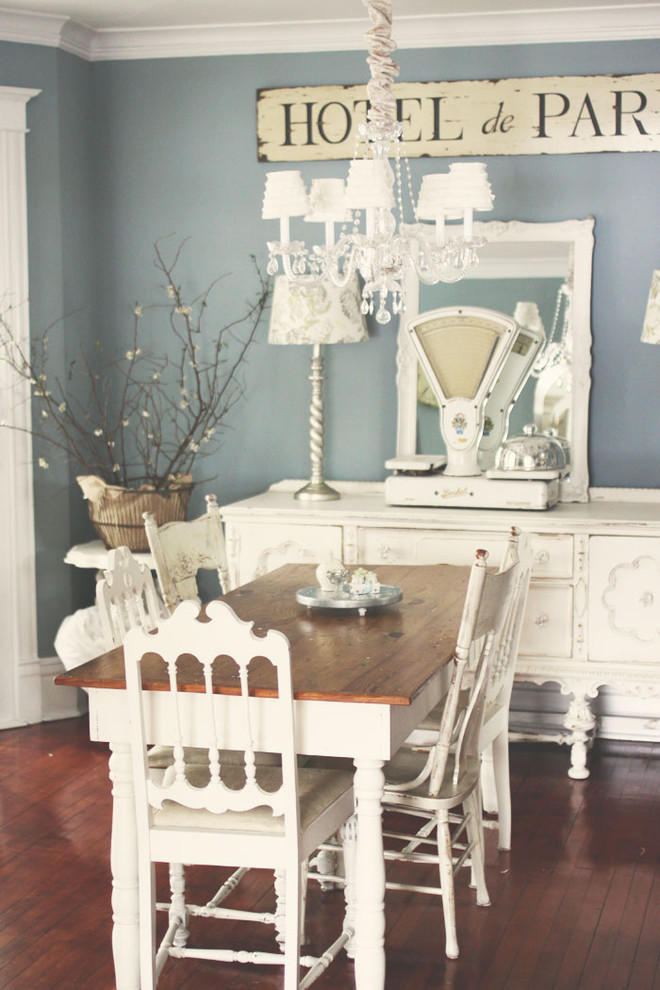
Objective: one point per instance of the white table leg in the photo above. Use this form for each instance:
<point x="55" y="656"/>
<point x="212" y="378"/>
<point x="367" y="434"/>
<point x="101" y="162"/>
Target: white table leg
<point x="124" y="867"/>
<point x="369" y="943"/>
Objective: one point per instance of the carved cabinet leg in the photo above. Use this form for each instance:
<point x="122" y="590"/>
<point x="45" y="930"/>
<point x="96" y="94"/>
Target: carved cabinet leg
<point x="580" y="722"/>
<point x="124" y="867"/>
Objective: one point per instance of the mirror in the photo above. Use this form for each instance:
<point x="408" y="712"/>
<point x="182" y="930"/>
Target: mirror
<point x="545" y="264"/>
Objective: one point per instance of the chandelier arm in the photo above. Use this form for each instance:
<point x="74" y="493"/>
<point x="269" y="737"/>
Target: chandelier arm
<point x="330" y="256"/>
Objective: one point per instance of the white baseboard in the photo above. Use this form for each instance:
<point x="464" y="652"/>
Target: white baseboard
<point x="58" y="702"/>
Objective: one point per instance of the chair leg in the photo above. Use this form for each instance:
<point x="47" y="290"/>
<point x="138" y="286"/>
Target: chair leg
<point x="446" y="868"/>
<point x="147" y="926"/>
<point x="327" y="865"/>
<point x="290" y="880"/>
<point x="488" y="781"/>
<point x="479" y="817"/>
<point x="349" y="849"/>
<point x="304" y="869"/>
<point x="281" y="908"/>
<point x="178" y="909"/>
<point x="475" y="837"/>
<point x="503" y="788"/>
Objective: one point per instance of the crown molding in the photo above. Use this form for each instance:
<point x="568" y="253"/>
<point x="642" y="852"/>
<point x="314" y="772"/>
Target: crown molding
<point x="78" y="39"/>
<point x="31" y="29"/>
<point x="594" y="23"/>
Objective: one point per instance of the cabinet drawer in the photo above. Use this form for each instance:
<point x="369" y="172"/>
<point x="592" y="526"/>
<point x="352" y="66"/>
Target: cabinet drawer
<point x="257" y="548"/>
<point x="414" y="546"/>
<point x="553" y="555"/>
<point x="547" y="626"/>
<point x="624" y="598"/>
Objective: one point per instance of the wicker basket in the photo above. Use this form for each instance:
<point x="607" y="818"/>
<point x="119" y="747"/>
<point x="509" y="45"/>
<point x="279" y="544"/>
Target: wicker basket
<point x="116" y="513"/>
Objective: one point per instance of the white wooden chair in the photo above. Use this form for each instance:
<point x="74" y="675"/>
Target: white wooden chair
<point x="269" y="816"/>
<point x="181" y="549"/>
<point x="494" y="737"/>
<point x="126" y="597"/>
<point x="431" y="785"/>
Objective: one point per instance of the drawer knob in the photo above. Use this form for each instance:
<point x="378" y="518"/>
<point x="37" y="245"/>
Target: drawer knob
<point x="541" y="556"/>
<point x="646" y="599"/>
<point x="384" y="552"/>
<point x="541" y="621"/>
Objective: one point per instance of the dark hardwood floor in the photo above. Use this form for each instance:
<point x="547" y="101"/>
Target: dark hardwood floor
<point x="575" y="905"/>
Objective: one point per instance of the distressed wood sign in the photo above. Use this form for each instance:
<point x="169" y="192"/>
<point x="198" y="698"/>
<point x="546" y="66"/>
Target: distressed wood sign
<point x="554" y="115"/>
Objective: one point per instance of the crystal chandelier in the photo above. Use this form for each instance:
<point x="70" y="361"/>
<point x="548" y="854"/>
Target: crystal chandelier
<point x="373" y="239"/>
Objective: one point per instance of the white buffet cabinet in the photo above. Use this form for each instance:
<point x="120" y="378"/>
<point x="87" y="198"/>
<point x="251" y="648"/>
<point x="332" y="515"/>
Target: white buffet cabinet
<point x="593" y="614"/>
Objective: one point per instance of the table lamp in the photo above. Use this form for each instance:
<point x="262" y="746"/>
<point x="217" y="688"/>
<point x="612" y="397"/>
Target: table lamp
<point x="316" y="314"/>
<point x="651" y="327"/>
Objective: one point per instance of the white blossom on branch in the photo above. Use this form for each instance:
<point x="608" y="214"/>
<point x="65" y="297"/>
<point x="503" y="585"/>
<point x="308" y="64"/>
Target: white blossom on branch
<point x="145" y="417"/>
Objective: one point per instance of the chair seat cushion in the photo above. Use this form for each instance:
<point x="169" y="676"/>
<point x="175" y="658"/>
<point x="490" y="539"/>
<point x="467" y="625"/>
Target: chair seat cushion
<point x="407" y="764"/>
<point x="161" y="757"/>
<point x="317" y="791"/>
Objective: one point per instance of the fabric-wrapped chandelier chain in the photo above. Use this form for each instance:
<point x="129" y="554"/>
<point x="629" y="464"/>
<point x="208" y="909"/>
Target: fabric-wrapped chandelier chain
<point x="374" y="240"/>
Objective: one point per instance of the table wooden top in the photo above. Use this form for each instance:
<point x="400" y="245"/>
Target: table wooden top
<point x="385" y="656"/>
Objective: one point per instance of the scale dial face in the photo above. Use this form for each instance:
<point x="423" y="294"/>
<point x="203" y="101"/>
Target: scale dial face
<point x="462" y="351"/>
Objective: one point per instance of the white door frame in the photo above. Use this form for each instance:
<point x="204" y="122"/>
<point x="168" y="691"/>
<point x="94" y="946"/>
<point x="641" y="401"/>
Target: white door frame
<point x="20" y="673"/>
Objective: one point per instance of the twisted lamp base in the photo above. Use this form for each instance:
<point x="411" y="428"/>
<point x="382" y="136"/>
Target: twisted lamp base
<point x="316" y="489"/>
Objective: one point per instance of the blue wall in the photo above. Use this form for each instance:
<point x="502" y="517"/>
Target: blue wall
<point x="121" y="153"/>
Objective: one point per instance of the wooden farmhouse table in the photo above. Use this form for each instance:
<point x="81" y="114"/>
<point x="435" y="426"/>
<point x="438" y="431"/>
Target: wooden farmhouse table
<point x="361" y="685"/>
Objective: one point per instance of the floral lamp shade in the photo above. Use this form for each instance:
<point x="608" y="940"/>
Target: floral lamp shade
<point x="651" y="327"/>
<point x="319" y="313"/>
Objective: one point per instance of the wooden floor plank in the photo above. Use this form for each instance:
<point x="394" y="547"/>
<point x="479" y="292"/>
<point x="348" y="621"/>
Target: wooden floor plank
<point x="645" y="973"/>
<point x="574" y="906"/>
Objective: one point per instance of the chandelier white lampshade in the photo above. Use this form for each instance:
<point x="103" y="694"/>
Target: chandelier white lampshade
<point x="285" y="195"/>
<point x="375" y="241"/>
<point x="327" y="201"/>
<point x="370" y="184"/>
<point x="651" y="327"/>
<point x="316" y="314"/>
<point x="432" y="202"/>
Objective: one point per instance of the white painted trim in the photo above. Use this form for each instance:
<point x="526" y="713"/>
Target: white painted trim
<point x="78" y="39"/>
<point x="624" y="495"/>
<point x="58" y="702"/>
<point x="503" y="27"/>
<point x="20" y="680"/>
<point x="28" y="28"/>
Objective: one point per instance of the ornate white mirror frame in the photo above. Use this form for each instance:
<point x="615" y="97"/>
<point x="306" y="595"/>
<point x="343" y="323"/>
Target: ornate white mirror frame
<point x="518" y="250"/>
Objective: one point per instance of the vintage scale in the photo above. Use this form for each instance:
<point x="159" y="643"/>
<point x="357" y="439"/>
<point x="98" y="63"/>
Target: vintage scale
<point x="476" y="362"/>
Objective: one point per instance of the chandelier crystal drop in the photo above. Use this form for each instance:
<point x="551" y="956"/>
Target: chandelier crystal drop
<point x="373" y="239"/>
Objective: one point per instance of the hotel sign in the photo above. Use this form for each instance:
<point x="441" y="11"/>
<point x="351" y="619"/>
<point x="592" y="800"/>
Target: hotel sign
<point x="553" y="115"/>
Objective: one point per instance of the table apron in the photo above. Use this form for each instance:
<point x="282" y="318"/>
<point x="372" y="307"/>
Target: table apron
<point x="323" y="728"/>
